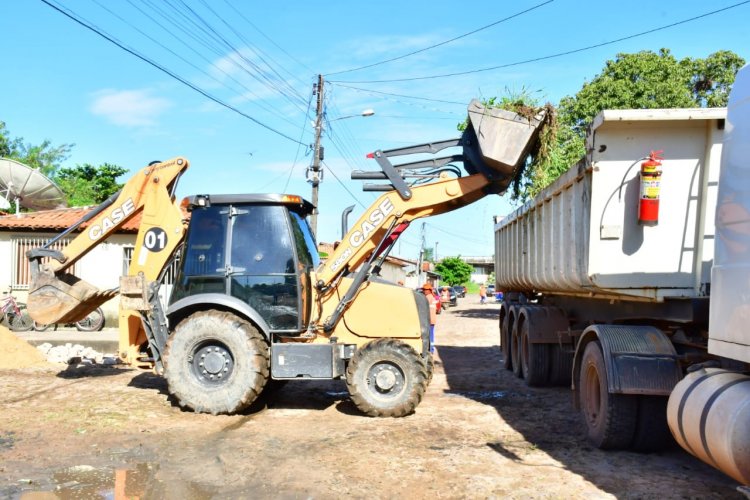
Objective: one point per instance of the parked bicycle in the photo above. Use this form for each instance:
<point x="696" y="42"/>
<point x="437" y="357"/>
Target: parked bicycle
<point x="15" y="314"/>
<point x="91" y="323"/>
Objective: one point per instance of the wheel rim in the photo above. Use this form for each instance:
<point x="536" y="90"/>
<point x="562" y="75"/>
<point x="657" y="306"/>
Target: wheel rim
<point x="386" y="379"/>
<point x="591" y="396"/>
<point x="211" y="363"/>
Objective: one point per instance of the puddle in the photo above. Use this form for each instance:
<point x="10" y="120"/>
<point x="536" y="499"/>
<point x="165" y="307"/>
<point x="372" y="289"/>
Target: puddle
<point x="478" y="395"/>
<point x="86" y="482"/>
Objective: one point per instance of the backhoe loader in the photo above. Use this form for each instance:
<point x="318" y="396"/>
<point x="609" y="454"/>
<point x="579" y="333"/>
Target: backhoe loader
<point x="251" y="301"/>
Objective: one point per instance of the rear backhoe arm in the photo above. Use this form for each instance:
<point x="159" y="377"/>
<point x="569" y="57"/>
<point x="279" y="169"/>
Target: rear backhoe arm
<point x="56" y="296"/>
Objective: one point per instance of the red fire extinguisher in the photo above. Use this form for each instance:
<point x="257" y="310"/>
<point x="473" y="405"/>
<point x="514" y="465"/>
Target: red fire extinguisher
<point x="648" y="206"/>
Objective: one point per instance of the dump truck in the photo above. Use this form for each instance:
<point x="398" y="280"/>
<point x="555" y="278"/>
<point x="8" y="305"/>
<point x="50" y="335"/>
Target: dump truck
<point x="251" y="300"/>
<point x="628" y="278"/>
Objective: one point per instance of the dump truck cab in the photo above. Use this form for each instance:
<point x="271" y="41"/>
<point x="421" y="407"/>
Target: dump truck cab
<point x="252" y="253"/>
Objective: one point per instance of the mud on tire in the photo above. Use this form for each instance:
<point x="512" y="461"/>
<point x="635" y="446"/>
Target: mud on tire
<point x="386" y="378"/>
<point x="610" y="419"/>
<point x="216" y="362"/>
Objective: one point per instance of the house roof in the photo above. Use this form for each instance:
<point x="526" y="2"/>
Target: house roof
<point x="56" y="220"/>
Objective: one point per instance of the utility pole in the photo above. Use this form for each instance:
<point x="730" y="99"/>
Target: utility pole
<point x="315" y="177"/>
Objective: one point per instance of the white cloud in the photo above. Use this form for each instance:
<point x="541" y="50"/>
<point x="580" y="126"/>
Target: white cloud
<point x="129" y="108"/>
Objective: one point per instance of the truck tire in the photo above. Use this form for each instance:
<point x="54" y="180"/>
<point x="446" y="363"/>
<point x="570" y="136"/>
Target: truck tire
<point x="652" y="431"/>
<point x="216" y="362"/>
<point x="561" y="365"/>
<point x="534" y="359"/>
<point x="515" y="350"/>
<point x="505" y="343"/>
<point x="386" y="378"/>
<point x="610" y="419"/>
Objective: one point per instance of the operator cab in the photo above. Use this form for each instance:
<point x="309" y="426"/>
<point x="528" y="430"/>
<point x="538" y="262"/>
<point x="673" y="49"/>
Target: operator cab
<point x="257" y="248"/>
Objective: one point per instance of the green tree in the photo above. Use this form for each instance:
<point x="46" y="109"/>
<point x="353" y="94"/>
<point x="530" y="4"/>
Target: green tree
<point x="45" y="157"/>
<point x="642" y="80"/>
<point x="454" y="270"/>
<point x="89" y="185"/>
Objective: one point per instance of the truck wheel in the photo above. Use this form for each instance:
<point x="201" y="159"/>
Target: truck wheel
<point x="515" y="351"/>
<point x="652" y="431"/>
<point x="386" y="378"/>
<point x="561" y="365"/>
<point x="610" y="419"/>
<point x="534" y="359"/>
<point x="505" y="343"/>
<point x="216" y="362"/>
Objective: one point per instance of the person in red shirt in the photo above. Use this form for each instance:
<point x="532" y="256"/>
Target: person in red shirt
<point x="427" y="290"/>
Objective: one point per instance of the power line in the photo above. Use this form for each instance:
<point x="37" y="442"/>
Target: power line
<point x="552" y="56"/>
<point x="398" y="95"/>
<point x="444" y="42"/>
<point x="170" y="73"/>
<point x="343" y="185"/>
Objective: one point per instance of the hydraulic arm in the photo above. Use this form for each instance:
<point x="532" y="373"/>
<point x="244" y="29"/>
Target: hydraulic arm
<point x="494" y="145"/>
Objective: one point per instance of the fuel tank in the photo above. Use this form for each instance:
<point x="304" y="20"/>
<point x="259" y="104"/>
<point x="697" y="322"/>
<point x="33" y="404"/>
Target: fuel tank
<point x="709" y="415"/>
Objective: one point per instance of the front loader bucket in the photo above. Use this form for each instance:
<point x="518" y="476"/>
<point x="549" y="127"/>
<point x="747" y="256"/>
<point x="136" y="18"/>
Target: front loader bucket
<point x="504" y="138"/>
<point x="64" y="298"/>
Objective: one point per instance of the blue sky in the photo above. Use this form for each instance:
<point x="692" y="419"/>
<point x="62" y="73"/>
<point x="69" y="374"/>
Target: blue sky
<point x="65" y="83"/>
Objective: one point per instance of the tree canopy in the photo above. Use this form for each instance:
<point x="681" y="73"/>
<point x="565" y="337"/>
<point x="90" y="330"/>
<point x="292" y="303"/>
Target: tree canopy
<point x="82" y="185"/>
<point x="642" y="80"/>
<point x="454" y="270"/>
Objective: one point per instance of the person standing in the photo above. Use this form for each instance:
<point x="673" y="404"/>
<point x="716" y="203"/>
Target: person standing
<point x="427" y="290"/>
<point x="482" y="293"/>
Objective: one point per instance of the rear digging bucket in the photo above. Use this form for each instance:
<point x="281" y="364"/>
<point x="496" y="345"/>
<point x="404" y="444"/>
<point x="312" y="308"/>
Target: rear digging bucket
<point x="63" y="299"/>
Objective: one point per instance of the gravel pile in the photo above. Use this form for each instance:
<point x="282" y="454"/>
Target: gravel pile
<point x="75" y="353"/>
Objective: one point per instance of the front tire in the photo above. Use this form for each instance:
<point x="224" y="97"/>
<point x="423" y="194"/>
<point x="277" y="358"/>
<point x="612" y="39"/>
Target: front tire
<point x="216" y="362"/>
<point x="610" y="419"/>
<point x="93" y="322"/>
<point x="21" y="321"/>
<point x="386" y="378"/>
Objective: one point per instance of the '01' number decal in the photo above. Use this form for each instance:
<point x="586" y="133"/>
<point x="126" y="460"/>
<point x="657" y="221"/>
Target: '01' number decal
<point x="155" y="239"/>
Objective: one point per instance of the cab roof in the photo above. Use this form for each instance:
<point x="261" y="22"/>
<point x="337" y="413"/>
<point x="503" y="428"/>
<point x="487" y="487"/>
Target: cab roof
<point x="291" y="201"/>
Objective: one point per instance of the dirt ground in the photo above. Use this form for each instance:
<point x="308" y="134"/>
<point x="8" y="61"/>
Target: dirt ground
<point x="99" y="432"/>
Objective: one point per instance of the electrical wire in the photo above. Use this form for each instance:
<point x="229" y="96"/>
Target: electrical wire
<point x="343" y="185"/>
<point x="443" y="42"/>
<point x="166" y="29"/>
<point x="398" y="95"/>
<point x="551" y="56"/>
<point x="166" y="71"/>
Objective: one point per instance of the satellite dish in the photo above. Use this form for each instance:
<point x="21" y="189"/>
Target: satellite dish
<point x="28" y="187"/>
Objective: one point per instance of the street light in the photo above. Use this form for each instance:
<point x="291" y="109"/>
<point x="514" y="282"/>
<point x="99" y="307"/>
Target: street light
<point x="365" y="112"/>
<point x="315" y="168"/>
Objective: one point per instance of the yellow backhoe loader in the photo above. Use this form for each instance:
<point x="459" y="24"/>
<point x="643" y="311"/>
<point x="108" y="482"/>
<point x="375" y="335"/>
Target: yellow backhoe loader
<point x="251" y="301"/>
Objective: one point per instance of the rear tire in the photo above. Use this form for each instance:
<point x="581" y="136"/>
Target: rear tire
<point x="39" y="327"/>
<point x="21" y="321"/>
<point x="534" y="359"/>
<point x="610" y="419"/>
<point x="93" y="322"/>
<point x="505" y="343"/>
<point x="386" y="378"/>
<point x="216" y="362"/>
<point x="652" y="431"/>
<point x="515" y="351"/>
<point x="561" y="365"/>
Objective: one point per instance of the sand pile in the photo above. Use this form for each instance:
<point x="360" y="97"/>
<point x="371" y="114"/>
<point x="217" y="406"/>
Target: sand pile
<point x="17" y="353"/>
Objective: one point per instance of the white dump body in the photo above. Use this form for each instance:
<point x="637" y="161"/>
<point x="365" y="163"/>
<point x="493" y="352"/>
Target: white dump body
<point x="581" y="236"/>
<point x="730" y="292"/>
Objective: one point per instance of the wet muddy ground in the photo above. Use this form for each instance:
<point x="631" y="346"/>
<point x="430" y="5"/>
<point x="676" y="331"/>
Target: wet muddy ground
<point x="100" y="432"/>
